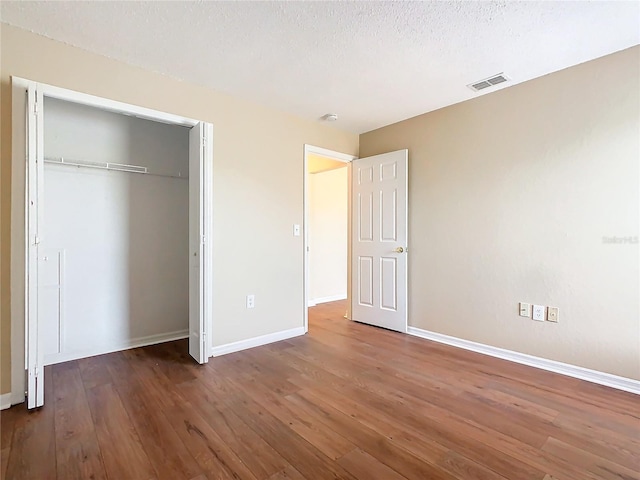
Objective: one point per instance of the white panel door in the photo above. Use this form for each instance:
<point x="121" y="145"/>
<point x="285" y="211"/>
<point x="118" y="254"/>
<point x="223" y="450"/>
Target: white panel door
<point x="197" y="334"/>
<point x="379" y="255"/>
<point x="35" y="175"/>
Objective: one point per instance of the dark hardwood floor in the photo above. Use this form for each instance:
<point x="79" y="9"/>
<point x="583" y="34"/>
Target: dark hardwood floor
<point x="345" y="401"/>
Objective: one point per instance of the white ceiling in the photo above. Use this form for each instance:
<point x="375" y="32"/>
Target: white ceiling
<point x="373" y="63"/>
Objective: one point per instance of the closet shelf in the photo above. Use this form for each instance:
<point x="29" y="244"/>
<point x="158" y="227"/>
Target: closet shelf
<point x="121" y="167"/>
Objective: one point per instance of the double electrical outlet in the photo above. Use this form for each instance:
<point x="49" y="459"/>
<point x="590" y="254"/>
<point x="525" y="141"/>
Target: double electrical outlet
<point x="537" y="312"/>
<point x="251" y="301"/>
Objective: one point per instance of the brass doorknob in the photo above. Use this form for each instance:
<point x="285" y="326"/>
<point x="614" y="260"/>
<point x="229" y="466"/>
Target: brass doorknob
<point x="399" y="250"/>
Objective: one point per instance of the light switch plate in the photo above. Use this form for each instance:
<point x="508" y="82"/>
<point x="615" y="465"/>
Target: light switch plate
<point x="296" y="230"/>
<point x="525" y="310"/>
<point x="553" y="314"/>
<point x="538" y="313"/>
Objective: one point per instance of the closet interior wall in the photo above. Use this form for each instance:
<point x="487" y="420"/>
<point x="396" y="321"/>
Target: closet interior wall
<point x="115" y="242"/>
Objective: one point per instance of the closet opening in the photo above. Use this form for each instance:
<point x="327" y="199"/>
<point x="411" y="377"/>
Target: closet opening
<point x="117" y="229"/>
<point x="115" y="233"/>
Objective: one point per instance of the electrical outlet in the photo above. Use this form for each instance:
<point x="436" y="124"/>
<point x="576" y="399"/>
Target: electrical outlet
<point x="553" y="314"/>
<point x="251" y="301"/>
<point x="525" y="310"/>
<point x="538" y="313"/>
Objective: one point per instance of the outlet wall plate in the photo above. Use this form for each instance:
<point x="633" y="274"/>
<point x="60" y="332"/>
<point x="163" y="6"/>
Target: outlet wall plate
<point x="251" y="301"/>
<point x="537" y="313"/>
<point x="553" y="314"/>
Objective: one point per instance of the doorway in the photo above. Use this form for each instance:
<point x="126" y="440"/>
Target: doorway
<point x="327" y="207"/>
<point x="126" y="171"/>
<point x="377" y="236"/>
<point x="328" y="228"/>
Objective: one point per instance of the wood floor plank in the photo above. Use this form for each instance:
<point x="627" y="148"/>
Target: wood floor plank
<point x="423" y="434"/>
<point x="7" y="423"/>
<point x="94" y="370"/>
<point x="150" y="376"/>
<point x="4" y="461"/>
<point x="78" y="454"/>
<point x="170" y="457"/>
<point x="467" y="469"/>
<point x="602" y="467"/>
<point x="310" y="462"/>
<point x="398" y="459"/>
<point x="345" y="401"/>
<point x="288" y="473"/>
<point x="328" y="442"/>
<point x="261" y="459"/>
<point x="362" y="465"/>
<point x="122" y="451"/>
<point x="214" y="456"/>
<point x="142" y="400"/>
<point x="34" y="438"/>
<point x="33" y="448"/>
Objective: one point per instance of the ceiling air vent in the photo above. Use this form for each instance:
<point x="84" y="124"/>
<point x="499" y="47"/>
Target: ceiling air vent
<point x="488" y="82"/>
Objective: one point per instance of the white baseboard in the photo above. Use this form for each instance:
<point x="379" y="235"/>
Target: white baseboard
<point x="594" y="376"/>
<point x="117" y="347"/>
<point x="17" y="397"/>
<point x="5" y="401"/>
<point x="256" y="341"/>
<point x="330" y="298"/>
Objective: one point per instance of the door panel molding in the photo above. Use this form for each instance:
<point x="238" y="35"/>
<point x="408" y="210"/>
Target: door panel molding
<point x="380" y="235"/>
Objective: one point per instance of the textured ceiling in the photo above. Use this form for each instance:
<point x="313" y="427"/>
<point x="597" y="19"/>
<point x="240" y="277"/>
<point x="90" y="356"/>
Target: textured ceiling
<point x="372" y="63"/>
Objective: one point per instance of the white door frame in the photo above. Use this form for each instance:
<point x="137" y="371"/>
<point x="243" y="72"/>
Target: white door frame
<point x="340" y="157"/>
<point x="18" y="324"/>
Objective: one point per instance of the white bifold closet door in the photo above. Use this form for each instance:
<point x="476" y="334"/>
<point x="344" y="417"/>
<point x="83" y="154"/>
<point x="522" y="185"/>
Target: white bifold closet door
<point x="198" y="216"/>
<point x="35" y="175"/>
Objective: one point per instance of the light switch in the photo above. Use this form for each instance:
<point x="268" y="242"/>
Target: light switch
<point x="296" y="230"/>
<point x="525" y="309"/>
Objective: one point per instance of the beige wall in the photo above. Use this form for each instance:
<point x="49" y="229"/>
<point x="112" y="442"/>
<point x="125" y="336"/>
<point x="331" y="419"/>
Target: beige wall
<point x="328" y="232"/>
<point x="510" y="197"/>
<point x="258" y="181"/>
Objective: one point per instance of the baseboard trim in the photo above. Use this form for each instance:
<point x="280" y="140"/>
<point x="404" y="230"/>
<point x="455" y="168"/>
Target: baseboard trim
<point x="17" y="397"/>
<point x="256" y="341"/>
<point x="330" y="298"/>
<point x="594" y="376"/>
<point x="5" y="401"/>
<point x="132" y="343"/>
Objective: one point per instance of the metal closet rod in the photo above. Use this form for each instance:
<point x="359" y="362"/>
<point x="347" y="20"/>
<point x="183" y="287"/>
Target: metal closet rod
<point x="121" y="167"/>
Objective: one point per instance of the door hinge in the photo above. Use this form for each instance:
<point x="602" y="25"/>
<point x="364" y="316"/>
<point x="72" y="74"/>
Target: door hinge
<point x="35" y="105"/>
<point x="36" y="240"/>
<point x="204" y="239"/>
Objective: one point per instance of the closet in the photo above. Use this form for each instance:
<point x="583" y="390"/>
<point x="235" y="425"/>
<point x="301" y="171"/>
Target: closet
<point x="115" y="271"/>
<point x="117" y="230"/>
